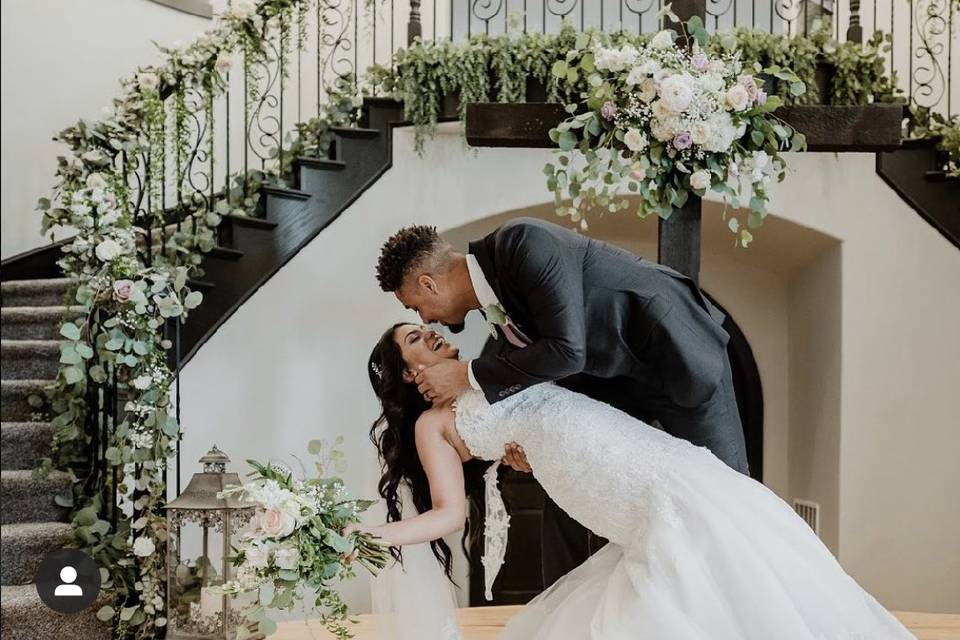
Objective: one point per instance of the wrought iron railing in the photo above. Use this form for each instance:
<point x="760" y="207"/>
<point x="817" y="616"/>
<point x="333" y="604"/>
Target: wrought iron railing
<point x="245" y="128"/>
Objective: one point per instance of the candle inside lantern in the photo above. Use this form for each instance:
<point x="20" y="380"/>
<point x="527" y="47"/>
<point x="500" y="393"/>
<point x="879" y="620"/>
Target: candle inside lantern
<point x="211" y="603"/>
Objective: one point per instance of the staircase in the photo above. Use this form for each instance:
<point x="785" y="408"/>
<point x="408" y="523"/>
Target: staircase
<point x="253" y="249"/>
<point x="249" y="252"/>
<point x="31" y="523"/>
<point x="915" y="172"/>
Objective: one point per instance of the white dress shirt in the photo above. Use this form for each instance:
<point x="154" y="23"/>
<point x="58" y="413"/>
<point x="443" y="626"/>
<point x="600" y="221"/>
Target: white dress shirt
<point x="485" y="295"/>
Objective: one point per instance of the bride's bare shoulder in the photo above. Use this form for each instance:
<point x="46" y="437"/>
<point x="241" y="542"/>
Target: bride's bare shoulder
<point x="440" y="421"/>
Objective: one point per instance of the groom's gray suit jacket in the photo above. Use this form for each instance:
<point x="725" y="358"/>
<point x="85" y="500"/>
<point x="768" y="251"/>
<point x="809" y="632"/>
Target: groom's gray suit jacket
<point x="592" y="308"/>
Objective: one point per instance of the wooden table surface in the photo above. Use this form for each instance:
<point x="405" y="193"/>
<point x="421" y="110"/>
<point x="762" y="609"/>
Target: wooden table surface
<point x="483" y="623"/>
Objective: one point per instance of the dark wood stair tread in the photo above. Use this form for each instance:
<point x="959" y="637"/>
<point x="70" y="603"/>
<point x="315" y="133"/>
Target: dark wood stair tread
<point x="355" y="132"/>
<point x="286" y="192"/>
<point x="249" y="221"/>
<point x="225" y="253"/>
<point x="320" y="163"/>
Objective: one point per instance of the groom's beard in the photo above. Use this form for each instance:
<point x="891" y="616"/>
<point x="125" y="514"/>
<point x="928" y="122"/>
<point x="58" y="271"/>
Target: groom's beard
<point x="455" y="328"/>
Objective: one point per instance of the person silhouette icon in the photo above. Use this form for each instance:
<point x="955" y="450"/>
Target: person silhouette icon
<point x="67" y="589"/>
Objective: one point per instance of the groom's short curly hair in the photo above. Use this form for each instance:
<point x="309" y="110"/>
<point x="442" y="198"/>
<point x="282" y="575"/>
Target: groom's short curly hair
<point x="405" y="250"/>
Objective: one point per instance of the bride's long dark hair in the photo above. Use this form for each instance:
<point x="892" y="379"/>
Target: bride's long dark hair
<point x="393" y="433"/>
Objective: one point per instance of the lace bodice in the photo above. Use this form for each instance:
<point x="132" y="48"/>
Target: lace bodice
<point x="599" y="464"/>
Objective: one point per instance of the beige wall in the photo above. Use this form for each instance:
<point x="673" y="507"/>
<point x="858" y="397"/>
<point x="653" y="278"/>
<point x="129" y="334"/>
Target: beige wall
<point x="814" y="317"/>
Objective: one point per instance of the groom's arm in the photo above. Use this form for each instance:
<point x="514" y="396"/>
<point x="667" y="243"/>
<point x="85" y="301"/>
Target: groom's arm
<point x="550" y="279"/>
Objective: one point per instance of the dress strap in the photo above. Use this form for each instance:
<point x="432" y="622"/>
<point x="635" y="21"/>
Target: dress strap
<point x="496" y="525"/>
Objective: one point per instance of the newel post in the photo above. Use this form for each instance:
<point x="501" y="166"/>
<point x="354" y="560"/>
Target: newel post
<point x="855" y="31"/>
<point x="414" y="27"/>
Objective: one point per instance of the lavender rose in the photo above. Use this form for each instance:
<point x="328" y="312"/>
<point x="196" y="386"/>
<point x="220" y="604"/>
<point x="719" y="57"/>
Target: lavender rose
<point x="682" y="140"/>
<point x="122" y="290"/>
<point x="608" y="110"/>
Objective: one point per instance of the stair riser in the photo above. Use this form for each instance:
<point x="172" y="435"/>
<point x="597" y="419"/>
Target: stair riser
<point x="41" y="364"/>
<point x="14" y="406"/>
<point x="32" y="500"/>
<point x="23" y="447"/>
<point x="32" y="620"/>
<point x="37" y="297"/>
<point x="47" y="329"/>
<point x="377" y="116"/>
<point x="21" y="555"/>
<point x="369" y="151"/>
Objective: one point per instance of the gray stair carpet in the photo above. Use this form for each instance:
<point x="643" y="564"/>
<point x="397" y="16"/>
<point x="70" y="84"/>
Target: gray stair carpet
<point x="31" y="523"/>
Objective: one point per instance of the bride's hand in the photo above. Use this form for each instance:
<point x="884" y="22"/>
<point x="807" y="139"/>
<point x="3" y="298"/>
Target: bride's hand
<point x="515" y="458"/>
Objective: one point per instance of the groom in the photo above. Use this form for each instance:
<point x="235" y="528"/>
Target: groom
<point x="581" y="312"/>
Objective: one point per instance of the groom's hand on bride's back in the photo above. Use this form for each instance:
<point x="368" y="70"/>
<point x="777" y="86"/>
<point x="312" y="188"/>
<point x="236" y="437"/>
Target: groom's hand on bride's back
<point x="443" y="381"/>
<point x="516" y="458"/>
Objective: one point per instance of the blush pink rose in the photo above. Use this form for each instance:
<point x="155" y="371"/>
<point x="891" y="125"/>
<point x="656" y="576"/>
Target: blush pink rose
<point x="276" y="523"/>
<point x="122" y="290"/>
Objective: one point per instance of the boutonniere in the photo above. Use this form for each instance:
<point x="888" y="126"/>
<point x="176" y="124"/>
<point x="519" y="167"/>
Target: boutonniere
<point x="496" y="317"/>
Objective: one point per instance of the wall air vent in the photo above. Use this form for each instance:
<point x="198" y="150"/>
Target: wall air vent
<point x="810" y="512"/>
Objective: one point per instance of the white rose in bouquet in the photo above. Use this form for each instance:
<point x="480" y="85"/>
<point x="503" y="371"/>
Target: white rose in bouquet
<point x="661" y="111"/>
<point x="663" y="130"/>
<point x="700" y="179"/>
<point x="737" y="97"/>
<point x="700" y="132"/>
<point x="635" y="140"/>
<point x="647" y="91"/>
<point x="258" y="554"/>
<point x="287" y="558"/>
<point x="711" y="82"/>
<point x="676" y="92"/>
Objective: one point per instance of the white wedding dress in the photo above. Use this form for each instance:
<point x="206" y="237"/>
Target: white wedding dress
<point x="697" y="551"/>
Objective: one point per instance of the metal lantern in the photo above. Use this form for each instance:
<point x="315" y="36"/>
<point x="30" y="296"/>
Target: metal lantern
<point x="194" y="610"/>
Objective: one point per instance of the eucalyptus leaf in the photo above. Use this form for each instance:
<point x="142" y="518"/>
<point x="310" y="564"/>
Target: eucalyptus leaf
<point x="70" y="331"/>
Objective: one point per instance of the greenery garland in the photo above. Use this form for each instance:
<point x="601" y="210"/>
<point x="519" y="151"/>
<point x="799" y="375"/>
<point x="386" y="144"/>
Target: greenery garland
<point x="485" y="68"/>
<point x="130" y="284"/>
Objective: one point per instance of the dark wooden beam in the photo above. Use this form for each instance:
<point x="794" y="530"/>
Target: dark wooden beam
<point x="868" y="128"/>
<point x="678" y="239"/>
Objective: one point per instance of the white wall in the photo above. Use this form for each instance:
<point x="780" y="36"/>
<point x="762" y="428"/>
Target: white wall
<point x="61" y="61"/>
<point x="290" y="365"/>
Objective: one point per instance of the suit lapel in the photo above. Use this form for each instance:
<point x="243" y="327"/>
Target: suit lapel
<point x="484" y="250"/>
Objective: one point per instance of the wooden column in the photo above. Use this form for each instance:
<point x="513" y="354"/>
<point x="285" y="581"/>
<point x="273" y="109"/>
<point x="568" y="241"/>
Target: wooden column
<point x="678" y="237"/>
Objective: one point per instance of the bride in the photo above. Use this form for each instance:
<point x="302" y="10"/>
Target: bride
<point x="697" y="551"/>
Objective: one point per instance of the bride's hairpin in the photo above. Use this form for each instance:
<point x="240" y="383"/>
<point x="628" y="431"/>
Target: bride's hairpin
<point x="377" y="371"/>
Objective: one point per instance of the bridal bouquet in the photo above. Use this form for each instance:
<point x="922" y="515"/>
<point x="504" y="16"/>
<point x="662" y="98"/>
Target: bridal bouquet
<point x="293" y="548"/>
<point x="665" y="119"/>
